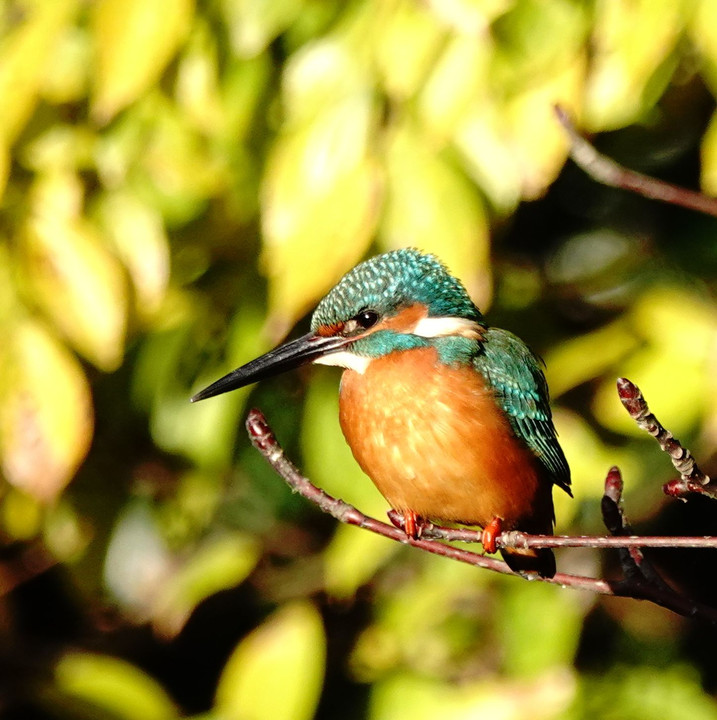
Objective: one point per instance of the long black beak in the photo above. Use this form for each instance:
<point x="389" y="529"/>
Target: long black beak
<point x="288" y="356"/>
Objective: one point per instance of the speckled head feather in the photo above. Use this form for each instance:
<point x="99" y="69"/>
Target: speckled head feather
<point x="394" y="280"/>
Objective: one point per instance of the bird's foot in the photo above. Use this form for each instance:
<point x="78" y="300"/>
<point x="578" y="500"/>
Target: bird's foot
<point x="408" y="521"/>
<point x="490" y="535"/>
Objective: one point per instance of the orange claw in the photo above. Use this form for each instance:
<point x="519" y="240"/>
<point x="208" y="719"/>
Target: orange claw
<point x="411" y="524"/>
<point x="490" y="535"/>
<point x="408" y="521"/>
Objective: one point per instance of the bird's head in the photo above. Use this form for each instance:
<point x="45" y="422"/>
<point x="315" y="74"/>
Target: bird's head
<point x="392" y="302"/>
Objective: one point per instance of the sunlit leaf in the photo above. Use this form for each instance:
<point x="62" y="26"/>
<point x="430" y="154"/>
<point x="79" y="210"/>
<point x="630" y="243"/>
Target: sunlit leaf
<point x="459" y="81"/>
<point x="113" y="686"/>
<point x="672" y="374"/>
<point x="253" y="24"/>
<point x="638" y="692"/>
<point x="197" y="86"/>
<point x="134" y="41"/>
<point x="538" y="142"/>
<point x="319" y="206"/>
<point x="588" y="356"/>
<point x="589" y="459"/>
<point x="276" y="672"/>
<point x="406" y="44"/>
<point x="539" y="628"/>
<point x="327" y="457"/>
<point x="221" y="563"/>
<point x="178" y="171"/>
<point x="470" y="17"/>
<point x="702" y="30"/>
<point x="405" y="696"/>
<point x="45" y="414"/>
<point x="67" y="76"/>
<point x="74" y="278"/>
<point x="630" y="59"/>
<point x="24" y="55"/>
<point x="431" y="205"/>
<point x="352" y="558"/>
<point x="139" y="239"/>
<point x="708" y="166"/>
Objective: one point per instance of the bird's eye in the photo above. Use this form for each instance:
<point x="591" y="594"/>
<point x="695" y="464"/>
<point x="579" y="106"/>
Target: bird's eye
<point x="367" y="319"/>
<point x="359" y="322"/>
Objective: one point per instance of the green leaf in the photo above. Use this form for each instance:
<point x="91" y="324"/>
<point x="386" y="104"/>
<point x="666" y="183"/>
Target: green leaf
<point x="220" y="563"/>
<point x="113" y="686"/>
<point x="276" y="672"/>
<point x="539" y="627"/>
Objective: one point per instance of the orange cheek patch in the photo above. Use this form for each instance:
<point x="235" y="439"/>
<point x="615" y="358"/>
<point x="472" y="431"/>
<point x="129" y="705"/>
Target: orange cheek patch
<point x="330" y="330"/>
<point x="405" y="320"/>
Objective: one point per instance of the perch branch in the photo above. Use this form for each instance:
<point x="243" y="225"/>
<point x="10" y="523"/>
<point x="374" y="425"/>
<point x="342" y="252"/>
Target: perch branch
<point x="608" y="172"/>
<point x="264" y="440"/>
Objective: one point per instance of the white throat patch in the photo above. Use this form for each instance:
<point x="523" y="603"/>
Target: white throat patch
<point x="345" y="359"/>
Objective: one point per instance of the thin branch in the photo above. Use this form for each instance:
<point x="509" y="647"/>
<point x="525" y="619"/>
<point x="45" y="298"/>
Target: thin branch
<point x="264" y="440"/>
<point x="608" y="172"/>
<point x="692" y="479"/>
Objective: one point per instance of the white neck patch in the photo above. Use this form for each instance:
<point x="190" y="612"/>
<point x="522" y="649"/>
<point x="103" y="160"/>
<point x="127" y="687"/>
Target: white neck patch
<point x="432" y="327"/>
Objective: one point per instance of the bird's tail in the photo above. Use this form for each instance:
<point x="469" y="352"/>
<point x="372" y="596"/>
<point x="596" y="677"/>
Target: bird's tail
<point x="530" y="561"/>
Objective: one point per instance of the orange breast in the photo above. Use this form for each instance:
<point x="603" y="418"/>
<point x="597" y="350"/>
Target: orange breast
<point x="433" y="440"/>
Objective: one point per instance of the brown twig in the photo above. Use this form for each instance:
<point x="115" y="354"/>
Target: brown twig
<point x="264" y="440"/>
<point x="608" y="172"/>
<point x="692" y="479"/>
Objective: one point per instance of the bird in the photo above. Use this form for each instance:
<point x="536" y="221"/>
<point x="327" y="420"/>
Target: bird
<point x="448" y="416"/>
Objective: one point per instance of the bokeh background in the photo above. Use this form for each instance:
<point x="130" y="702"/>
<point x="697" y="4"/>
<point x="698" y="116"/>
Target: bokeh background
<point x="181" y="182"/>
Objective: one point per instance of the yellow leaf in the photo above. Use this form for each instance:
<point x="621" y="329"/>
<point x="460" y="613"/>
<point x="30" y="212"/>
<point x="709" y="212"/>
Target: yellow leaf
<point x="319" y="207"/>
<point x="630" y="41"/>
<point x="407" y="40"/>
<point x="460" y="81"/>
<point x="702" y="29"/>
<point x="352" y="558"/>
<point x="117" y="688"/>
<point x="45" y="412"/>
<point x="253" y="24"/>
<point x="24" y="56"/>
<point x="673" y="366"/>
<point x="431" y="205"/>
<point x="708" y="166"/>
<point x="538" y="143"/>
<point x="134" y="41"/>
<point x="137" y="232"/>
<point x="73" y="277"/>
<point x="276" y="672"/>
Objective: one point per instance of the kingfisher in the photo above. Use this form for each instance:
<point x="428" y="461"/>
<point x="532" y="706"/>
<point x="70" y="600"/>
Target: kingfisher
<point x="448" y="416"/>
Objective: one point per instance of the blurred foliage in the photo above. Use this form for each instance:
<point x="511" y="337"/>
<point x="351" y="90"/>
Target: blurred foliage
<point x="181" y="181"/>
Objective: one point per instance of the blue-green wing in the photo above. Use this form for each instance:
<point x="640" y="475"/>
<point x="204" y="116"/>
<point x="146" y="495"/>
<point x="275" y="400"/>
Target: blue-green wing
<point x="514" y="373"/>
